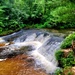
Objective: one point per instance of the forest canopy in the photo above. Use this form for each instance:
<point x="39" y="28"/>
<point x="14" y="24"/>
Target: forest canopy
<point x="17" y="14"/>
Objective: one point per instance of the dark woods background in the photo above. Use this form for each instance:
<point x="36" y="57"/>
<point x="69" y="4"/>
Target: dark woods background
<point x="18" y="14"/>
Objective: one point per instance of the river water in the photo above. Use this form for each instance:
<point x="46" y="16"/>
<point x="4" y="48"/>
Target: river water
<point x="39" y="44"/>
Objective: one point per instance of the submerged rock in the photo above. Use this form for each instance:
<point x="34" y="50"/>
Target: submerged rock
<point x="19" y="65"/>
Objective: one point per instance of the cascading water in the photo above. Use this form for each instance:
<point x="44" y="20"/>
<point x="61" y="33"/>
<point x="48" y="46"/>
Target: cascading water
<point x="44" y="44"/>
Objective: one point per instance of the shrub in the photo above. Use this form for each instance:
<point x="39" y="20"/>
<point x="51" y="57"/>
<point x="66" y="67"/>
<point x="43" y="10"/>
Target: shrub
<point x="65" y="61"/>
<point x="68" y="40"/>
<point x="59" y="54"/>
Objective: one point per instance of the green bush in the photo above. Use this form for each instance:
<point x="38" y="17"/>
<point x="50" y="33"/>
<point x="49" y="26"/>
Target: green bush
<point x="59" y="54"/>
<point x="65" y="61"/>
<point x="68" y="41"/>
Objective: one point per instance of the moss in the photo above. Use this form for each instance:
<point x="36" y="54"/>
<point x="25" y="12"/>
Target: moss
<point x="6" y="32"/>
<point x="68" y="40"/>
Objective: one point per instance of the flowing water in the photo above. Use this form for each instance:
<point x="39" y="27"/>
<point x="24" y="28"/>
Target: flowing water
<point x="43" y="46"/>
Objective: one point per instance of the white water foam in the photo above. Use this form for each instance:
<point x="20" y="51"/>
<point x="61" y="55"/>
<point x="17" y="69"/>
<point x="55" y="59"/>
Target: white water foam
<point x="35" y="44"/>
<point x="47" y="65"/>
<point x="2" y="59"/>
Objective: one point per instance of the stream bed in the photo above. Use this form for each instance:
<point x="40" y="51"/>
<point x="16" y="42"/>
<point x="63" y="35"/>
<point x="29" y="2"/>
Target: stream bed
<point x="29" y="52"/>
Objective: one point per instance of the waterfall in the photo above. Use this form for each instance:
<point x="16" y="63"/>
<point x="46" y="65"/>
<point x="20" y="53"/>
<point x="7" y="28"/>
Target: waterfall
<point x="44" y="46"/>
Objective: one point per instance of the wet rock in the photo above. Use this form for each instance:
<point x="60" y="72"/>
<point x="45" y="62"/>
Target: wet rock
<point x="73" y="70"/>
<point x="29" y="59"/>
<point x="26" y="48"/>
<point x="3" y="46"/>
<point x="11" y="42"/>
<point x="69" y="71"/>
<point x="66" y="52"/>
<point x="9" y="53"/>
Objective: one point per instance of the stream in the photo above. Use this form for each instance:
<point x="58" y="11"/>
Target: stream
<point x="38" y="46"/>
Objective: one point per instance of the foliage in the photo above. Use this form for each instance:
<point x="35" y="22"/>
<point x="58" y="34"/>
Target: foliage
<point x="70" y="73"/>
<point x="59" y="72"/>
<point x="68" y="41"/>
<point x="59" y="54"/>
<point x="62" y="17"/>
<point x="38" y="14"/>
<point x="65" y="61"/>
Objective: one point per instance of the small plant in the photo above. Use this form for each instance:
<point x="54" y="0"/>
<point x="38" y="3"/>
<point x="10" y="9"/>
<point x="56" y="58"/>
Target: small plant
<point x="59" y="72"/>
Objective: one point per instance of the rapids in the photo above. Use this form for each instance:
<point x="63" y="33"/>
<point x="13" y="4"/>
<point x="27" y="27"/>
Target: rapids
<point x="43" y="46"/>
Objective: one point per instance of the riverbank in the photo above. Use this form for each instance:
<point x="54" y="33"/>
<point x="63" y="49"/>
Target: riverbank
<point x="62" y="32"/>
